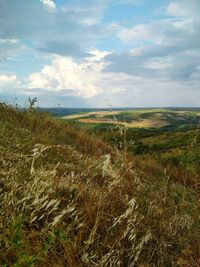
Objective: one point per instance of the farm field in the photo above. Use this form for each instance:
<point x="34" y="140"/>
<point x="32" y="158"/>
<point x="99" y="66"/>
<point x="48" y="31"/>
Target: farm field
<point x="165" y="137"/>
<point x="141" y="118"/>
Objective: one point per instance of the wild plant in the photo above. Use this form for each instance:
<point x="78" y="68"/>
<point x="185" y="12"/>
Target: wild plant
<point x="69" y="200"/>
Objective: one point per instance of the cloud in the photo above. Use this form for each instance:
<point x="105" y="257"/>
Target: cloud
<point x="64" y="73"/>
<point x="161" y="66"/>
<point x="163" y="32"/>
<point x="182" y="29"/>
<point x="6" y="79"/>
<point x="152" y="93"/>
<point x="22" y="19"/>
<point x="86" y="79"/>
<point x="50" y="45"/>
<point x="49" y="4"/>
<point x="52" y="31"/>
<point x="9" y="83"/>
<point x="9" y="48"/>
<point x="164" y="49"/>
<point x="87" y="12"/>
<point x="184" y="8"/>
<point x="64" y="48"/>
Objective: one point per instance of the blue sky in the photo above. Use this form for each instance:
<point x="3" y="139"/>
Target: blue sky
<point x="86" y="53"/>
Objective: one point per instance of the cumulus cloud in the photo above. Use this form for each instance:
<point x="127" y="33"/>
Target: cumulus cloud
<point x="86" y="78"/>
<point x="64" y="73"/>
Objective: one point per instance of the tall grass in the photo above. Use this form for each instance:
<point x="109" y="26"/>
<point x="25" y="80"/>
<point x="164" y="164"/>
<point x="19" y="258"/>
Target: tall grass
<point x="68" y="200"/>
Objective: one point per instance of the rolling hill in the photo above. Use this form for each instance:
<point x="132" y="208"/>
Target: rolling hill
<point x="70" y="198"/>
<point x="140" y="118"/>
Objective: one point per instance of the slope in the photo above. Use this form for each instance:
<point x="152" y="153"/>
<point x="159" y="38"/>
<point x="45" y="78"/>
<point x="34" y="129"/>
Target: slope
<point x="69" y="199"/>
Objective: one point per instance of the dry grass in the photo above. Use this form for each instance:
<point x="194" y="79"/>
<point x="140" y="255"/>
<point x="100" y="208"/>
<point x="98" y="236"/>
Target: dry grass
<point x="97" y="114"/>
<point x="68" y="200"/>
<point x="143" y="123"/>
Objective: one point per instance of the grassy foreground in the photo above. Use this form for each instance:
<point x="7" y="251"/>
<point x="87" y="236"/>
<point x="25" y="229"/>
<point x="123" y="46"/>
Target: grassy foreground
<point x="69" y="199"/>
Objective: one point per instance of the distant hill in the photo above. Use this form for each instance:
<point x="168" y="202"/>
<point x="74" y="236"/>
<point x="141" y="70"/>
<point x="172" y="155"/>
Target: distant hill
<point x="139" y="118"/>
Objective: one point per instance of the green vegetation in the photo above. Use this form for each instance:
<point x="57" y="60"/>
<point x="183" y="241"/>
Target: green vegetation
<point x="70" y="198"/>
<point x="145" y="118"/>
<point x="170" y="145"/>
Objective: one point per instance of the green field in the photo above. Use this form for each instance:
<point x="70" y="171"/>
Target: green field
<point x="141" y="118"/>
<point x="165" y="135"/>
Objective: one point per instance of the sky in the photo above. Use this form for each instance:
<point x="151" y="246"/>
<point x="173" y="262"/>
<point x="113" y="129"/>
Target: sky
<point x="100" y="53"/>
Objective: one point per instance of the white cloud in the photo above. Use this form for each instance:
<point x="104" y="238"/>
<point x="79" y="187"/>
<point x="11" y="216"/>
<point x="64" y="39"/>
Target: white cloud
<point x="175" y="10"/>
<point x="64" y="73"/>
<point x="88" y="12"/>
<point x="183" y="8"/>
<point x="9" y="83"/>
<point x="181" y="28"/>
<point x="5" y="79"/>
<point x="161" y="32"/>
<point x="138" y="33"/>
<point x="49" y="4"/>
<point x="85" y="79"/>
<point x="167" y="48"/>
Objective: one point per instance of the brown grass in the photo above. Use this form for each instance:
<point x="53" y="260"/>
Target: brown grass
<point x="68" y="200"/>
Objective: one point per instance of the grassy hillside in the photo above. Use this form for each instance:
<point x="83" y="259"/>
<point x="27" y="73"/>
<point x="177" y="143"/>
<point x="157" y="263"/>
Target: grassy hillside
<point x="69" y="199"/>
<point x="172" y="144"/>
